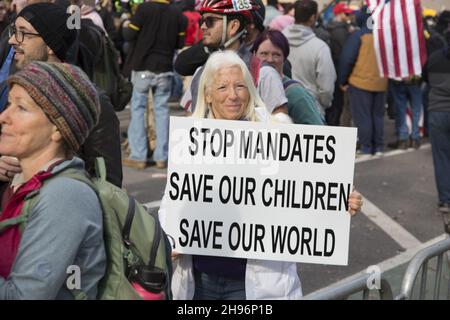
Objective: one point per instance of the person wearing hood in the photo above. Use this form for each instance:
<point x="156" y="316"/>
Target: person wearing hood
<point x="359" y="75"/>
<point x="310" y="57"/>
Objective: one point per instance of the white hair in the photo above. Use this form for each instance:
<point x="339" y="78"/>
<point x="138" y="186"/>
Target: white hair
<point x="217" y="61"/>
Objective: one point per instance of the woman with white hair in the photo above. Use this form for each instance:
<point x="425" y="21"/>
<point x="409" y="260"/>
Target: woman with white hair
<point x="227" y="92"/>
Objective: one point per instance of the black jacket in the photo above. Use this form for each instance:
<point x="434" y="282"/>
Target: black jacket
<point x="339" y="33"/>
<point x="156" y="31"/>
<point x="437" y="74"/>
<point x="104" y="141"/>
<point x="190" y="59"/>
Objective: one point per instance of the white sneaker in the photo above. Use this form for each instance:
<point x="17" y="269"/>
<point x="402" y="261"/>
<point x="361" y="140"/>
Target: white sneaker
<point x="363" y="156"/>
<point x="378" y="154"/>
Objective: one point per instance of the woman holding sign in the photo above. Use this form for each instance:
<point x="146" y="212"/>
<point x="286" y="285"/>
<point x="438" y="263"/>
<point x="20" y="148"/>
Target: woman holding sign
<point x="227" y="92"/>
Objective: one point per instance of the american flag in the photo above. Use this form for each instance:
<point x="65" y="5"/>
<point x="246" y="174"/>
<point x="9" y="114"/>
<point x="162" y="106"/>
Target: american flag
<point x="399" y="37"/>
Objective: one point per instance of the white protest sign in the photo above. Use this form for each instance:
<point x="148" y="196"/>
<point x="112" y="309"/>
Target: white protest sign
<point x="259" y="190"/>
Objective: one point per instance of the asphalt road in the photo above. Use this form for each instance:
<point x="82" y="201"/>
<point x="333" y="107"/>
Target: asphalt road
<point x="398" y="218"/>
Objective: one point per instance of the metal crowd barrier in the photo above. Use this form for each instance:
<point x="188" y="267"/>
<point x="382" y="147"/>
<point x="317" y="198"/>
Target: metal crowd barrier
<point x="346" y="289"/>
<point x="420" y="262"/>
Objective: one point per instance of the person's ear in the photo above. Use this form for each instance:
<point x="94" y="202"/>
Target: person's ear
<point x="208" y="97"/>
<point x="56" y="135"/>
<point x="51" y="55"/>
<point x="233" y="27"/>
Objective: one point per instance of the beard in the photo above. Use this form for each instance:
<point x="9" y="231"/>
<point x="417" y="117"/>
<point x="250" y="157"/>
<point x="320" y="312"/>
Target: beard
<point x="38" y="54"/>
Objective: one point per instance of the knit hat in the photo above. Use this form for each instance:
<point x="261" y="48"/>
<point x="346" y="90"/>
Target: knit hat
<point x="65" y="94"/>
<point x="50" y="21"/>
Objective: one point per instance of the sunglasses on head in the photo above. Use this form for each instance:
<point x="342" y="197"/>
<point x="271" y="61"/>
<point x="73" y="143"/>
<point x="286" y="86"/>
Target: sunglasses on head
<point x="209" y="21"/>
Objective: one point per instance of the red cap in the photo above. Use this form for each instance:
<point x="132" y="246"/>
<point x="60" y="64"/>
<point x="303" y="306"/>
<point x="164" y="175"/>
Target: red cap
<point x="341" y="8"/>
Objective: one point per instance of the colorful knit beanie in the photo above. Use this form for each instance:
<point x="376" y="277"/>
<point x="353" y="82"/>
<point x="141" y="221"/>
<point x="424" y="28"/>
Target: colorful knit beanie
<point x="65" y="94"/>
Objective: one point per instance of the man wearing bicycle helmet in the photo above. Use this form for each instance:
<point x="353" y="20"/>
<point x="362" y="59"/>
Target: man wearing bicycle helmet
<point x="223" y="24"/>
<point x="235" y="15"/>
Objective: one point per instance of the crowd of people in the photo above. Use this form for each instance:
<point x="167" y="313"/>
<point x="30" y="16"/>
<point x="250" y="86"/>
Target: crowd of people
<point x="251" y="63"/>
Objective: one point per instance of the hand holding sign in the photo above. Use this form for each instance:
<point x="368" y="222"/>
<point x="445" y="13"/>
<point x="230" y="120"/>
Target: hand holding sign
<point x="355" y="202"/>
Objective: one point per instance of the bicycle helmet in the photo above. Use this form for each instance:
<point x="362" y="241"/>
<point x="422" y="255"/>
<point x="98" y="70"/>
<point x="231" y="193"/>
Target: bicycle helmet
<point x="226" y="8"/>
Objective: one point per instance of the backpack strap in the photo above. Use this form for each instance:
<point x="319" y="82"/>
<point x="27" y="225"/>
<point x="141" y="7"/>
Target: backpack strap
<point x="21" y="220"/>
<point x="128" y="222"/>
<point x="76" y="175"/>
<point x="156" y="242"/>
<point x="5" y="224"/>
<point x="288" y="83"/>
<point x="100" y="168"/>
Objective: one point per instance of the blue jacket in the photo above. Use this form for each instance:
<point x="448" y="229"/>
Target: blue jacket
<point x="350" y="51"/>
<point x="64" y="229"/>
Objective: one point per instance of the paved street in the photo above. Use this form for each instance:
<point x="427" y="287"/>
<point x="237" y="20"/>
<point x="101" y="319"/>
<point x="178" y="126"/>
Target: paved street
<point x="398" y="218"/>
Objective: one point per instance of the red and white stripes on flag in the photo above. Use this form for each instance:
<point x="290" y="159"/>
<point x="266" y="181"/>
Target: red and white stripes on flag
<point x="399" y="38"/>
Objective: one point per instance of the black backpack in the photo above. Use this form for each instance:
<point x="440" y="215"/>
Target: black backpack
<point x="107" y="73"/>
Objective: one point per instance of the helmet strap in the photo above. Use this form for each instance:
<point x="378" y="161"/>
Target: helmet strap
<point x="233" y="39"/>
<point x="224" y="31"/>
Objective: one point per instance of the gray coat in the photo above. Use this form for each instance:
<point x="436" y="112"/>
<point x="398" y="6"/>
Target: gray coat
<point x="312" y="64"/>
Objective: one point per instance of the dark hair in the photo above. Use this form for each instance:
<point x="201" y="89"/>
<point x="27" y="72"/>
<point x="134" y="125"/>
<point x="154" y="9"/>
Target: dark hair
<point x="288" y="7"/>
<point x="276" y="37"/>
<point x="242" y="20"/>
<point x="273" y="3"/>
<point x="443" y="21"/>
<point x="259" y="15"/>
<point x="304" y="10"/>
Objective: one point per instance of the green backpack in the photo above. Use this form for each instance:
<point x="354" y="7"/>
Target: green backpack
<point x="137" y="248"/>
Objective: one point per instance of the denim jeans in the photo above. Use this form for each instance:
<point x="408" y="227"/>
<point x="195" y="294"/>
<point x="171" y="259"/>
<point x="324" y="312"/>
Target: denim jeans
<point x="177" y="86"/>
<point x="211" y="287"/>
<point x="161" y="85"/>
<point x="367" y="110"/>
<point x="439" y="126"/>
<point x="403" y="93"/>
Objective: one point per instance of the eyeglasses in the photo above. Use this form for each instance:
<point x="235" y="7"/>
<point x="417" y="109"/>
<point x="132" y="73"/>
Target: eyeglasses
<point x="20" y="35"/>
<point x="209" y="21"/>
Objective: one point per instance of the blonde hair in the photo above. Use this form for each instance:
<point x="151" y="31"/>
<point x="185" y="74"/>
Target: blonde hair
<point x="217" y="61"/>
